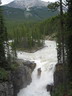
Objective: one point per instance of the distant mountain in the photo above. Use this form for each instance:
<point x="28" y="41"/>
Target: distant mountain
<point x="27" y="10"/>
<point x="26" y="4"/>
<point x="35" y="13"/>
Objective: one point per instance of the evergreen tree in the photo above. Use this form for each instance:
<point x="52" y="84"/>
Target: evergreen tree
<point x="61" y="43"/>
<point x="69" y="39"/>
<point x="3" y="62"/>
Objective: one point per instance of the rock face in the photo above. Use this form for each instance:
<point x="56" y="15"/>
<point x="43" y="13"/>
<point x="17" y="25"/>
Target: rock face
<point x="50" y="88"/>
<point x="6" y="89"/>
<point x="39" y="72"/>
<point x="26" y="4"/>
<point x="22" y="76"/>
<point x="18" y="79"/>
<point x="58" y="75"/>
<point x="58" y="79"/>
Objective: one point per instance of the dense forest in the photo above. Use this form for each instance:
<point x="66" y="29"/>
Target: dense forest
<point x="33" y="33"/>
<point x="27" y="36"/>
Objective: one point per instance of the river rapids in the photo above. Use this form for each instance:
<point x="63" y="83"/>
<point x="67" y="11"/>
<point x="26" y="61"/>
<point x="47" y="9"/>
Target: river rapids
<point x="45" y="59"/>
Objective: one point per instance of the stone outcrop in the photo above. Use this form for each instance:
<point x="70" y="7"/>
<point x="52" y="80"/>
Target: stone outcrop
<point x="39" y="72"/>
<point x="18" y="78"/>
<point x="49" y="88"/>
<point x="22" y="75"/>
<point x="58" y="75"/>
<point x="58" y="79"/>
<point x="6" y="89"/>
<point x="30" y="65"/>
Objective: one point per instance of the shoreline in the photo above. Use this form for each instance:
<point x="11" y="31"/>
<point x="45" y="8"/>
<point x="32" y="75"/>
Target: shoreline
<point x="30" y="50"/>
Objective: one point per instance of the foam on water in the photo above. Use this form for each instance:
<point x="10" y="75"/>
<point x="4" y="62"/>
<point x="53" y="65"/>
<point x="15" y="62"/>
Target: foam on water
<point x="45" y="59"/>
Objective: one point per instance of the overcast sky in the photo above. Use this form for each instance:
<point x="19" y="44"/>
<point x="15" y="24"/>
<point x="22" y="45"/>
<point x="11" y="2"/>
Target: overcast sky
<point x="8" y="1"/>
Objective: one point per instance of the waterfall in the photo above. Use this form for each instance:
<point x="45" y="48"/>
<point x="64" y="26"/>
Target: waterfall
<point x="46" y="60"/>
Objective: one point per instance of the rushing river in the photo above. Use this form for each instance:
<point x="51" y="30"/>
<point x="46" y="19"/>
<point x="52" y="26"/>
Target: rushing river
<point x="45" y="59"/>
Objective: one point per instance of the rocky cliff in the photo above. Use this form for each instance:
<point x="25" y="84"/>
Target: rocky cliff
<point x="58" y="81"/>
<point x="18" y="78"/>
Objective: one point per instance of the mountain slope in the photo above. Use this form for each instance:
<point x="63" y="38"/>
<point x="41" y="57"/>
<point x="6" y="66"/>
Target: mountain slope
<point x="26" y="4"/>
<point x="33" y="14"/>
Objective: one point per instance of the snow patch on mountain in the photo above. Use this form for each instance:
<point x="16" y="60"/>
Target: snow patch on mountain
<point x="27" y="4"/>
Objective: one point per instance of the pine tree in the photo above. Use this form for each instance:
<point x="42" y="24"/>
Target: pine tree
<point x="69" y="39"/>
<point x="61" y="43"/>
<point x="3" y="62"/>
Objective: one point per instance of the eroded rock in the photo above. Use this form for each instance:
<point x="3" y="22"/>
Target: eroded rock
<point x="6" y="89"/>
<point x="39" y="72"/>
<point x="58" y="75"/>
<point x="19" y="78"/>
<point x="22" y="75"/>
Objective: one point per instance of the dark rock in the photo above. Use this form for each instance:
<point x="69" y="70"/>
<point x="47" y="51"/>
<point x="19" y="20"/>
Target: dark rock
<point x="39" y="72"/>
<point x="29" y="64"/>
<point x="6" y="89"/>
<point x="58" y="75"/>
<point x="19" y="78"/>
<point x="22" y="75"/>
<point x="49" y="87"/>
<point x="58" y="79"/>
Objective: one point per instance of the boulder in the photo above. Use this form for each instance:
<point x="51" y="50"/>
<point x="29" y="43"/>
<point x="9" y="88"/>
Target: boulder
<point x="39" y="71"/>
<point x="49" y="87"/>
<point x="29" y="64"/>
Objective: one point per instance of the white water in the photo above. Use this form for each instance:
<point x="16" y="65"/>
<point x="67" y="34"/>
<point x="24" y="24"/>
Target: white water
<point x="45" y="59"/>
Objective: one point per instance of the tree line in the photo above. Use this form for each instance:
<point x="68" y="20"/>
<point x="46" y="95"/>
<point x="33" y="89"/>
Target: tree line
<point x="7" y="53"/>
<point x="27" y="36"/>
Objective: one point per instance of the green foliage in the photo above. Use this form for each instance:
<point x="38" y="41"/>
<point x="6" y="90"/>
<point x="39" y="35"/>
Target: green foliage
<point x="67" y="45"/>
<point x="69" y="39"/>
<point x="32" y="34"/>
<point x="59" y="90"/>
<point x="2" y="39"/>
<point x="5" y="59"/>
<point x="34" y="14"/>
<point x="3" y="74"/>
<point x="14" y="66"/>
<point x="50" y="26"/>
<point x="54" y="6"/>
<point x="69" y="88"/>
<point x="25" y="35"/>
